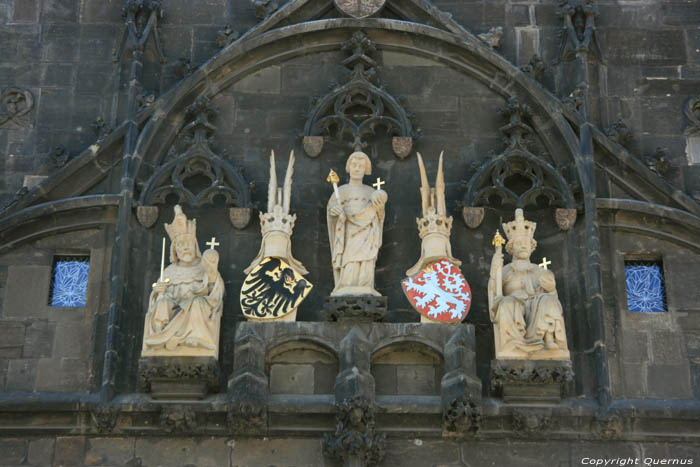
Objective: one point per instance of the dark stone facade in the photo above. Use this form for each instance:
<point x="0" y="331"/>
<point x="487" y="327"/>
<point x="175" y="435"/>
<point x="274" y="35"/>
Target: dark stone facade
<point x="88" y="125"/>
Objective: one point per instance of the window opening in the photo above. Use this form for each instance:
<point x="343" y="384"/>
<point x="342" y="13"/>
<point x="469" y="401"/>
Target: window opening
<point x="646" y="290"/>
<point x="69" y="280"/>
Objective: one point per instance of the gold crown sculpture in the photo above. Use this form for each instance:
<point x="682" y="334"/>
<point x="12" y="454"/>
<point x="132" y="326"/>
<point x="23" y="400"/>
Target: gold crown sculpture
<point x="277" y="221"/>
<point x="181" y="225"/>
<point x="433" y="223"/>
<point x="519" y="227"/>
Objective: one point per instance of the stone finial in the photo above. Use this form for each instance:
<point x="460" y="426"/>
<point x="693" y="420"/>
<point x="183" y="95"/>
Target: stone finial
<point x="619" y="132"/>
<point x="434" y="226"/>
<point x="493" y="37"/>
<point x="60" y="156"/>
<point x="264" y="8"/>
<point x="226" y="36"/>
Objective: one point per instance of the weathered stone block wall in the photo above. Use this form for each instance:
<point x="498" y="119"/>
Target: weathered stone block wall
<point x="62" y="52"/>
<point x="651" y="350"/>
<point x="300" y="452"/>
<point x="46" y="348"/>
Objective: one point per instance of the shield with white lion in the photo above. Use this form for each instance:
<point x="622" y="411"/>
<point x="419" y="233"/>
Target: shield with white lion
<point x="439" y="292"/>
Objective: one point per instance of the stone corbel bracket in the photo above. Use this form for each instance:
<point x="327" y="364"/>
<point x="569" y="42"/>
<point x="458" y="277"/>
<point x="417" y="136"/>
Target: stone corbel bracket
<point x="335" y="115"/>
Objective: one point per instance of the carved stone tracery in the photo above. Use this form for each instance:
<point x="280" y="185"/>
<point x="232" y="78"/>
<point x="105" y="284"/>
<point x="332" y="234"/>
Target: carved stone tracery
<point x="517" y="177"/>
<point x="578" y="31"/>
<point x="357" y="109"/>
<point x="182" y="176"/>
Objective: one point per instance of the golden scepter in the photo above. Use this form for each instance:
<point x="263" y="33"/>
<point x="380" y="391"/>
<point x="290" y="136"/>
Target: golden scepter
<point x="334" y="179"/>
<point x="498" y="243"/>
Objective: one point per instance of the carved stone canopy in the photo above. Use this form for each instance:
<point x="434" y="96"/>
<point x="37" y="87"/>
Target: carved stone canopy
<point x="517" y="177"/>
<point x="358" y="109"/>
<point x="197" y="176"/>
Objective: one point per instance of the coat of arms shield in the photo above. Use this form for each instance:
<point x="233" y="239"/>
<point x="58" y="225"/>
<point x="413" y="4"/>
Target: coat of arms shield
<point x="273" y="291"/>
<point x="439" y="292"/>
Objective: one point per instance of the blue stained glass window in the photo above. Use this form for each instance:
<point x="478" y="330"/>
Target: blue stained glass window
<point x="69" y="282"/>
<point x="646" y="291"/>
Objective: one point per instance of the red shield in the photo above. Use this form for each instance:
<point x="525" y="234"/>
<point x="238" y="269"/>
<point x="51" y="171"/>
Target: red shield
<point x="440" y="292"/>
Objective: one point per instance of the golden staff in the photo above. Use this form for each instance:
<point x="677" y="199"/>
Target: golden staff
<point x="334" y="179"/>
<point x="498" y="242"/>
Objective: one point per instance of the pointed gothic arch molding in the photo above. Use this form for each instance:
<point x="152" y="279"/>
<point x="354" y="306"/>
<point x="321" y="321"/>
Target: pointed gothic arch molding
<point x="651" y="219"/>
<point x="56" y="217"/>
<point x="250" y="54"/>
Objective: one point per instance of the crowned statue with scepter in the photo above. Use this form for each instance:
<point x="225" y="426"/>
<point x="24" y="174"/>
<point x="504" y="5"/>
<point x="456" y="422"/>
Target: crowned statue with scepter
<point x="185" y="305"/>
<point x="523" y="303"/>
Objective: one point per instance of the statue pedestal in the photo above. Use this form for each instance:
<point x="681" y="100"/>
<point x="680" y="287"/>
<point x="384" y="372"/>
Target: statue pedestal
<point x="357" y="308"/>
<point x="178" y="378"/>
<point x="531" y="380"/>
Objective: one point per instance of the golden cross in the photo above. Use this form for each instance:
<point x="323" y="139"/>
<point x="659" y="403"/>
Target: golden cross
<point x="544" y="263"/>
<point x="212" y="243"/>
<point x="378" y="184"/>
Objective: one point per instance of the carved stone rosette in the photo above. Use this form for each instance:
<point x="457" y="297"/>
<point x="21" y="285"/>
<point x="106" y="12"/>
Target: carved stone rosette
<point x="355" y="435"/>
<point x="359" y="8"/>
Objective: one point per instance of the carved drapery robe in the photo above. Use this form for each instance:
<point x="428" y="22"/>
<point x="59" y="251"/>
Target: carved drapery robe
<point x="529" y="309"/>
<point x="355" y="238"/>
<point x="185" y="319"/>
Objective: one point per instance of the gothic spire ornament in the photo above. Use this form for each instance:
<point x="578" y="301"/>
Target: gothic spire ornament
<point x="274" y="287"/>
<point x="435" y="286"/>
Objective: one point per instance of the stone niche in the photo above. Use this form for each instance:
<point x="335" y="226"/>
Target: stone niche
<point x="407" y="368"/>
<point x="301" y="367"/>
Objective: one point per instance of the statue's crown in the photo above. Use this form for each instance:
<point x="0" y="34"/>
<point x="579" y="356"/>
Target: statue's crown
<point x="181" y="225"/>
<point x="519" y="227"/>
<point x="434" y="223"/>
<point x="277" y="221"/>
